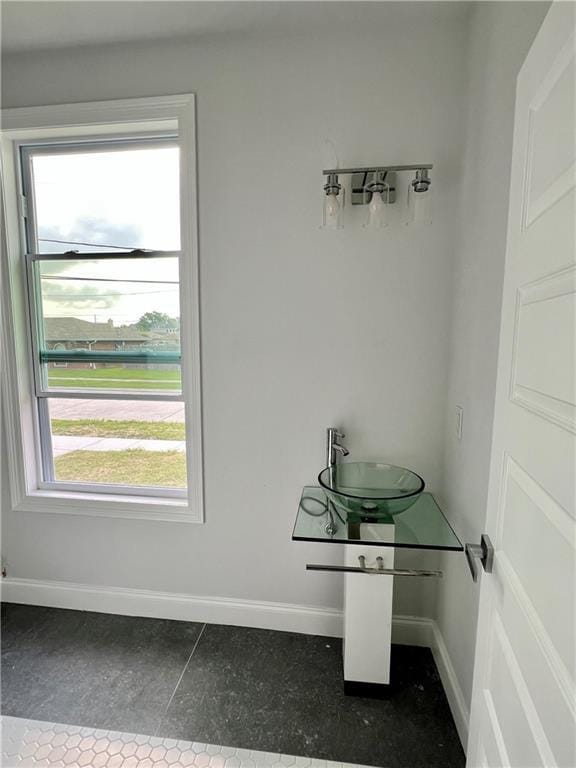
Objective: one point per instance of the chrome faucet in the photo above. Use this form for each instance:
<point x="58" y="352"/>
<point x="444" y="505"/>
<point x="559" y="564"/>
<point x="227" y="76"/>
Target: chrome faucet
<point x="333" y="447"/>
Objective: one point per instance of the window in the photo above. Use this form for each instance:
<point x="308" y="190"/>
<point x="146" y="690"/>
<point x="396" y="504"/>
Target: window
<point x="112" y="322"/>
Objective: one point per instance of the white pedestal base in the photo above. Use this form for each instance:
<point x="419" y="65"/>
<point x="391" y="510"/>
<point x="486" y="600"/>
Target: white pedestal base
<point x="368" y="613"/>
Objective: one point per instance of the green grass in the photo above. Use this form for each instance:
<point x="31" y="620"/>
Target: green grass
<point x="142" y="430"/>
<point x="128" y="385"/>
<point x="165" y="469"/>
<point x="113" y="378"/>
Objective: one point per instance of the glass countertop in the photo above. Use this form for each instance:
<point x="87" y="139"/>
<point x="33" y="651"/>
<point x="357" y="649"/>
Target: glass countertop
<point x="421" y="526"/>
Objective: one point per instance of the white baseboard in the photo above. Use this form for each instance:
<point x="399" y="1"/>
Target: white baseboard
<point x="311" y="620"/>
<point x="284" y="617"/>
<point x="454" y="694"/>
<point x="413" y="630"/>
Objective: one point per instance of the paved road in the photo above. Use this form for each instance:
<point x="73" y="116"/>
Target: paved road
<point x="129" y="410"/>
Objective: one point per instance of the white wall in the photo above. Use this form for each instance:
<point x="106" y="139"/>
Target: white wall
<point x="499" y="38"/>
<point x="300" y="328"/>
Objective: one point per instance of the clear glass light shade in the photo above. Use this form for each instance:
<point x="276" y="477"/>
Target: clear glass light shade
<point x="377" y="210"/>
<point x="333" y="211"/>
<point x="420" y="207"/>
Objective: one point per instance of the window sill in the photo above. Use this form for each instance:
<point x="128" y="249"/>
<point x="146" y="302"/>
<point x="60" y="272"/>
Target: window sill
<point x="107" y="505"/>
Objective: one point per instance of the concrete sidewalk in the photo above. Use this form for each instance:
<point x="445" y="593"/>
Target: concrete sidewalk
<point x="62" y="444"/>
<point x="120" y="410"/>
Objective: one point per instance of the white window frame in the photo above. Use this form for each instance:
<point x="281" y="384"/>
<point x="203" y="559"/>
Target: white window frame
<point x="20" y="415"/>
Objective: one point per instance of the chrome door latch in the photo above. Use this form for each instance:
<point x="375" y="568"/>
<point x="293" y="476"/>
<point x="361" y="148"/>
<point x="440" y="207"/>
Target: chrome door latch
<point x="483" y="552"/>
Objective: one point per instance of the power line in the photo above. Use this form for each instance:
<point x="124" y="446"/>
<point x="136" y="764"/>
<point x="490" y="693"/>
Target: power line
<point x="90" y="245"/>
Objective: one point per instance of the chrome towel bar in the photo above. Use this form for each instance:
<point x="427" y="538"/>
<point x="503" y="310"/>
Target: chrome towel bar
<point x="378" y="571"/>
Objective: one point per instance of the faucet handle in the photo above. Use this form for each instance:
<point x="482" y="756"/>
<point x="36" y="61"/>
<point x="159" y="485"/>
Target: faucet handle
<point x="335" y="433"/>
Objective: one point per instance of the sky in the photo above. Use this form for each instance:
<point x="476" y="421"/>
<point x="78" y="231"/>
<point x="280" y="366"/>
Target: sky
<point x="127" y="198"/>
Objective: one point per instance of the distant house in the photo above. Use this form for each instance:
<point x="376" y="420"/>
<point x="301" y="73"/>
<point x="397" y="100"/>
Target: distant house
<point x="73" y="333"/>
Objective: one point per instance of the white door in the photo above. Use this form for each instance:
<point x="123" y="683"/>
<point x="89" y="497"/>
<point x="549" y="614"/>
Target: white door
<point x="524" y="695"/>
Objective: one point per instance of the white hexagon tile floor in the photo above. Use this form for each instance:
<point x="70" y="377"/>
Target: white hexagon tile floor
<point x="35" y="744"/>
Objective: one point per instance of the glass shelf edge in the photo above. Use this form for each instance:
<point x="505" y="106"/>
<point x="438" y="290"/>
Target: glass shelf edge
<point x="397" y="545"/>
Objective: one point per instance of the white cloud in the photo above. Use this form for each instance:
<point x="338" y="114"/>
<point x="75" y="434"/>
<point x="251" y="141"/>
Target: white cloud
<point x="126" y="195"/>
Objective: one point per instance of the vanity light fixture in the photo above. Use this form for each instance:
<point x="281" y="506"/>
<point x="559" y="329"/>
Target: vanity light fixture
<point x="420" y="199"/>
<point x="378" y="192"/>
<point x="421" y="181"/>
<point x="375" y="187"/>
<point x="333" y="211"/>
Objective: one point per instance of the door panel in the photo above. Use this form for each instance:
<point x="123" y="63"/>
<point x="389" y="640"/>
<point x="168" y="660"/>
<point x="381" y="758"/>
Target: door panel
<point x="550" y="164"/>
<point x="513" y="704"/>
<point x="529" y="508"/>
<point x="491" y="750"/>
<point x="543" y="373"/>
<point x="543" y="670"/>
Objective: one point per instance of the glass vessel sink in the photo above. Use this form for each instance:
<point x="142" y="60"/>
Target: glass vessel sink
<point x="369" y="490"/>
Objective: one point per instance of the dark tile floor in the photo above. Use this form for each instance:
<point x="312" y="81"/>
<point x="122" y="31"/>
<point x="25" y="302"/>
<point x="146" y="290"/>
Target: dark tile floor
<point x="247" y="688"/>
